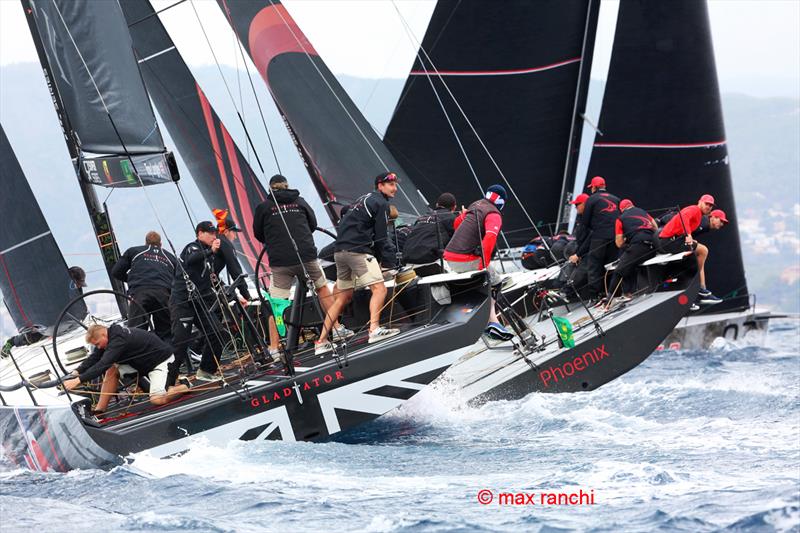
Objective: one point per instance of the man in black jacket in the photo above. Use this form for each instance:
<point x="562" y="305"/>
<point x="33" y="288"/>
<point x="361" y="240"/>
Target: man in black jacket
<point x="430" y="233"/>
<point x="359" y="246"/>
<point x="148" y="270"/>
<point x="635" y="236"/>
<point x="600" y="214"/>
<point x="193" y="297"/>
<point x="120" y="351"/>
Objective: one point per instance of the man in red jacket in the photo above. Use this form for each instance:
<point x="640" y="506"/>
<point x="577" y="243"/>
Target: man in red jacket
<point x="473" y="242"/>
<point x="676" y="236"/>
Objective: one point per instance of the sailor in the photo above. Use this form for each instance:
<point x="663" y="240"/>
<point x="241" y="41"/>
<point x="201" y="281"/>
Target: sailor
<point x="577" y="275"/>
<point x="635" y="236"/>
<point x="25" y="337"/>
<point x="193" y="298"/>
<point x="281" y="222"/>
<point x="473" y="243"/>
<point x="677" y="236"/>
<point x="430" y="233"/>
<point x="225" y="259"/>
<point x="148" y="270"/>
<point x="599" y="218"/>
<point x="359" y="248"/>
<point x="119" y="351"/>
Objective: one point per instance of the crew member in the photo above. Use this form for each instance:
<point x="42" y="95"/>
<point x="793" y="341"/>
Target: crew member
<point x="430" y="233"/>
<point x="599" y="218"/>
<point x="284" y="223"/>
<point x="577" y="276"/>
<point x="677" y="236"/>
<point x="473" y="243"/>
<point x="148" y="270"/>
<point x="635" y="235"/>
<point x="359" y="247"/>
<point x="193" y="298"/>
<point x="120" y="351"/>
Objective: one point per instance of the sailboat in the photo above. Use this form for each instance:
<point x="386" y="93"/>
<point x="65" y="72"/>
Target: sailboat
<point x="659" y="154"/>
<point x="109" y="127"/>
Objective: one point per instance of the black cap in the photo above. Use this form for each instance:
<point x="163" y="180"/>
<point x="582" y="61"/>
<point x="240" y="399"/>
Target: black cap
<point x="206" y="226"/>
<point x="385" y="177"/>
<point x="277" y="178"/>
<point x="229" y="225"/>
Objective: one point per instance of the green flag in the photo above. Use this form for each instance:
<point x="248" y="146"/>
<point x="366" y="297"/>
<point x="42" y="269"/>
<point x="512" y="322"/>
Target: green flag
<point x="279" y="305"/>
<point x="564" y="328"/>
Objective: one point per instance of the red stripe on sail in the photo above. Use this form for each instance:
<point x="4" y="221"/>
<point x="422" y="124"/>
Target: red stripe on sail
<point x="246" y="218"/>
<point x="511" y="72"/>
<point x="274" y="32"/>
<point x="14" y="292"/>
<point x="660" y="145"/>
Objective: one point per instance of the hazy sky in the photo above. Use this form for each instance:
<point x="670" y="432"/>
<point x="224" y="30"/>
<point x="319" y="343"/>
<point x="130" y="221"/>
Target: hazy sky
<point x="757" y="42"/>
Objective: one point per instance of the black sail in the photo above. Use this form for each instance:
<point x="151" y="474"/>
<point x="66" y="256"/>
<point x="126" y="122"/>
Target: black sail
<point x="33" y="275"/>
<point x="663" y="141"/>
<point x="80" y="37"/>
<point x="340" y="150"/>
<point x="219" y="169"/>
<point x="519" y="70"/>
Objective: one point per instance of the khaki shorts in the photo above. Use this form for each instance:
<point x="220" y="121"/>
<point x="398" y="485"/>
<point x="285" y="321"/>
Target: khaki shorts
<point x="356" y="270"/>
<point x="460" y="267"/>
<point x="157" y="377"/>
<point x="283" y="277"/>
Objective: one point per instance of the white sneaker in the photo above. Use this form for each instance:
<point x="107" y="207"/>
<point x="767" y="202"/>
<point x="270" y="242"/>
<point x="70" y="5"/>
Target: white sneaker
<point x="382" y="333"/>
<point x="275" y="355"/>
<point x="321" y="348"/>
<point x="341" y="333"/>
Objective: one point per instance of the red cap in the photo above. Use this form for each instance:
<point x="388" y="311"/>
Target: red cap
<point x="707" y="198"/>
<point x="582" y="197"/>
<point x="720" y="214"/>
<point x="625" y="204"/>
<point x="598" y="181"/>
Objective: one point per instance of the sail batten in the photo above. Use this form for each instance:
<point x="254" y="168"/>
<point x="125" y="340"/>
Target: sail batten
<point x="664" y="142"/>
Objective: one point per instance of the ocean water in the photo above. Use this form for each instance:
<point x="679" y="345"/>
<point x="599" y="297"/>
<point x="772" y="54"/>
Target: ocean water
<point x="689" y="441"/>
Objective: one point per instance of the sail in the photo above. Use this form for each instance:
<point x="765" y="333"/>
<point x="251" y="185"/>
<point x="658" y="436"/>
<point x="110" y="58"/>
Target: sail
<point x="95" y="74"/>
<point x="663" y="141"/>
<point x="519" y="71"/>
<point x="34" y="280"/>
<point x="219" y="169"/>
<point x="340" y="150"/>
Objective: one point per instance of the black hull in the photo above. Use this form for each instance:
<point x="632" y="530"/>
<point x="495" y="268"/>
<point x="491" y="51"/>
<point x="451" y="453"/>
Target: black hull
<point x="313" y="405"/>
<point x="630" y="335"/>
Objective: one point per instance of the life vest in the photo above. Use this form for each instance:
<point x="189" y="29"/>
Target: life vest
<point x="469" y="235"/>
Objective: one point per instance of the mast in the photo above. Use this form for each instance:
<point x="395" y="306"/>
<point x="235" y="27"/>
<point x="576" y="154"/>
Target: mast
<point x="98" y="215"/>
<point x="574" y="146"/>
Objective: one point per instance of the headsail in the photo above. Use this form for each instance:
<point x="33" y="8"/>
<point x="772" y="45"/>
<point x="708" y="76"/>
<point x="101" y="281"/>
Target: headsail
<point x="663" y="141"/>
<point x="33" y="275"/>
<point x="341" y="151"/>
<point x="519" y="71"/>
<point x="219" y="169"/>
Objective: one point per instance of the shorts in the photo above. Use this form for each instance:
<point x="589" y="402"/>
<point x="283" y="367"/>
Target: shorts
<point x="460" y="267"/>
<point x="673" y="245"/>
<point x="157" y="377"/>
<point x="355" y="269"/>
<point x="283" y="277"/>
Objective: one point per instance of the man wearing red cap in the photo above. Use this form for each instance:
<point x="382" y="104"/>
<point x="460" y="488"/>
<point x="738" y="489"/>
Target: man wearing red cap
<point x="635" y="235"/>
<point x="676" y="236"/>
<point x="600" y="217"/>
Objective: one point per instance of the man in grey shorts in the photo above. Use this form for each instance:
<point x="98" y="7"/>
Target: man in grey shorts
<point x="362" y="233"/>
<point x="284" y="209"/>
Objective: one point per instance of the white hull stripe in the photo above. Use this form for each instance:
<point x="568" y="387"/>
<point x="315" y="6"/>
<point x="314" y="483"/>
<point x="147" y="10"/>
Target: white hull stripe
<point x="23" y="243"/>
<point x="514" y="72"/>
<point x="675" y="146"/>
<point x="151" y="56"/>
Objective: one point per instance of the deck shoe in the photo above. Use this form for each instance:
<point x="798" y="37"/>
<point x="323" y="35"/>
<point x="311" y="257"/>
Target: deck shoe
<point x="5" y="351"/>
<point x="498" y="331"/>
<point x="705" y="296"/>
<point x="321" y="348"/>
<point x="382" y="333"/>
<point x="341" y="333"/>
<point x="202" y="375"/>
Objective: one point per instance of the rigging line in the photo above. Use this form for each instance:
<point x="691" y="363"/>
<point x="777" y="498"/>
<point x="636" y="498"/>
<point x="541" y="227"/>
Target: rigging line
<point x="255" y="95"/>
<point x="474" y="131"/>
<point x="239" y="87"/>
<point x="156" y="13"/>
<point x="344" y="108"/>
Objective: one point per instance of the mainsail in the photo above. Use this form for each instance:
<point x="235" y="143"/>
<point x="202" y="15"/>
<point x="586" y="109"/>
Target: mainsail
<point x="339" y="148"/>
<point x="219" y="169"/>
<point x="33" y="275"/>
<point x="663" y="141"/>
<point x="519" y="71"/>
